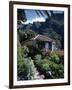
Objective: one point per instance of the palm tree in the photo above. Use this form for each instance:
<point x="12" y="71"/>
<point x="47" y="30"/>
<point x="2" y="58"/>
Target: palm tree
<point x="21" y="16"/>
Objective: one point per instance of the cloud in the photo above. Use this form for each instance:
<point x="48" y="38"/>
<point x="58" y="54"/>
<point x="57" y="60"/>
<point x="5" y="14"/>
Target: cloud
<point x="37" y="19"/>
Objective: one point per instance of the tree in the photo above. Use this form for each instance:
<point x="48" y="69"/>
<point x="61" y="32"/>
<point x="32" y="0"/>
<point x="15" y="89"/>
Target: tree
<point x="25" y="35"/>
<point x="21" y="16"/>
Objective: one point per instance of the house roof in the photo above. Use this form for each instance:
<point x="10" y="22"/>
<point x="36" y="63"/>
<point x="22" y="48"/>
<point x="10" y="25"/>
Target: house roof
<point x="42" y="38"/>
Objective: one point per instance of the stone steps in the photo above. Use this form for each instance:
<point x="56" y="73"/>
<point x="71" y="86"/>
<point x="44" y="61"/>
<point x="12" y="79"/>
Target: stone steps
<point x="37" y="75"/>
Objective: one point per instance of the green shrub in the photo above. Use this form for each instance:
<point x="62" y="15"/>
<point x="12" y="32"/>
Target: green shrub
<point x="25" y="51"/>
<point x="57" y="70"/>
<point x="54" y="57"/>
<point x="45" y="67"/>
<point x="38" y="57"/>
<point x="22" y="69"/>
<point x="24" y="65"/>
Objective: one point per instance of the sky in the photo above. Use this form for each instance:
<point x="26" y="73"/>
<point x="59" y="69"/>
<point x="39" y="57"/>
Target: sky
<point x="32" y="16"/>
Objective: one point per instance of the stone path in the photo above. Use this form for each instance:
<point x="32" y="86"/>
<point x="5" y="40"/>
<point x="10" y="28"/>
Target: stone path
<point x="37" y="75"/>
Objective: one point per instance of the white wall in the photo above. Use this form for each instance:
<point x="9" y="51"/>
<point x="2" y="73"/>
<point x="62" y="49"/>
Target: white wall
<point x="4" y="45"/>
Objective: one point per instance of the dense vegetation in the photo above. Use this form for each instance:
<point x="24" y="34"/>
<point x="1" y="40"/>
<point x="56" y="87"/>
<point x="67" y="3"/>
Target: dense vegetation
<point x="24" y="65"/>
<point x="50" y="66"/>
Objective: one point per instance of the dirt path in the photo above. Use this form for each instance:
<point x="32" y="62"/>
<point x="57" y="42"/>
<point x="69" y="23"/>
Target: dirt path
<point x="37" y="75"/>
